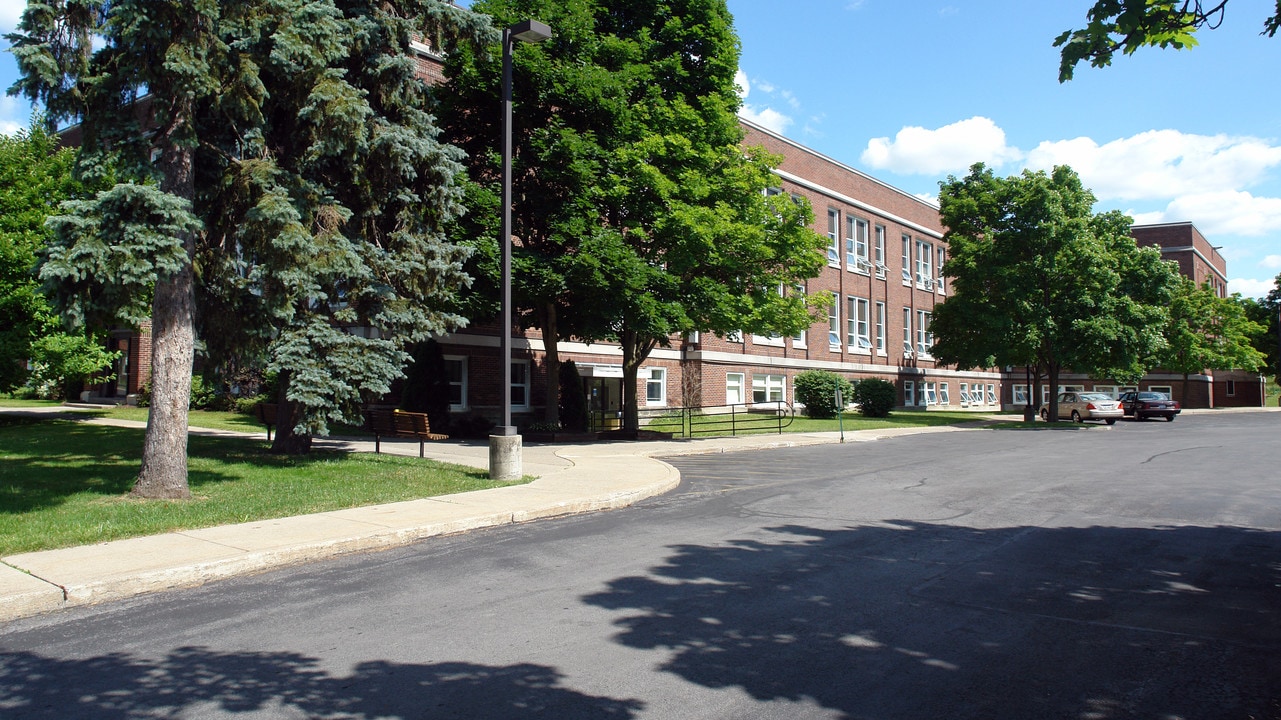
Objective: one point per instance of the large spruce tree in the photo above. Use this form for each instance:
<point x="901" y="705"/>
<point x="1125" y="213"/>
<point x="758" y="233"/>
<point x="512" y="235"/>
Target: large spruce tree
<point x="278" y="164"/>
<point x="639" y="214"/>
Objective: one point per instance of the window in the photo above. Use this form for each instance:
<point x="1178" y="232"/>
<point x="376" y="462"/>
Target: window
<point x="944" y="399"/>
<point x="880" y="328"/>
<point x="1111" y="390"/>
<point x="520" y="384"/>
<point x="856" y="245"/>
<point x="931" y="397"/>
<point x="734" y="389"/>
<point x="857" y="335"/>
<point x="834" y="326"/>
<point x="907" y="332"/>
<point x="924" y="338"/>
<point x="942" y="257"/>
<point x="924" y="265"/>
<point x="991" y="394"/>
<point x="833" y="237"/>
<point x="878" y="251"/>
<point x="456" y="371"/>
<point x="656" y="387"/>
<point x="773" y="339"/>
<point x="1169" y="391"/>
<point x="1232" y="388"/>
<point x="768" y="388"/>
<point x="798" y="340"/>
<point x="909" y="398"/>
<point x="965" y="394"/>
<point x="1020" y="394"/>
<point x="907" y="259"/>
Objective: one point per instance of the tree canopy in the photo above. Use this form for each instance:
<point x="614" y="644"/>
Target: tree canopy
<point x="1040" y="280"/>
<point x="281" y="184"/>
<point x="639" y="214"/>
<point x="1266" y="311"/>
<point x="1205" y="331"/>
<point x="1127" y="25"/>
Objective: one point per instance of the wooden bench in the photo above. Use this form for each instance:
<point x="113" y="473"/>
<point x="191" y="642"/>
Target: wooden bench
<point x="266" y="414"/>
<point x="396" y="423"/>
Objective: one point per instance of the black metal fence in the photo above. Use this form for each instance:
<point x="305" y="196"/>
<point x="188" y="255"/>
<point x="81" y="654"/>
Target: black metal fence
<point x="707" y="421"/>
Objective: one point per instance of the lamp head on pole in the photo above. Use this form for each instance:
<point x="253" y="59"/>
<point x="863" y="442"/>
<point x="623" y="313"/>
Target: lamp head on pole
<point x="530" y="31"/>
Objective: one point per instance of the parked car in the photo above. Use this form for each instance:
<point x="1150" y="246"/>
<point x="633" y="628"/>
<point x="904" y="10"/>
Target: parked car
<point x="1082" y="406"/>
<point x="1143" y="405"/>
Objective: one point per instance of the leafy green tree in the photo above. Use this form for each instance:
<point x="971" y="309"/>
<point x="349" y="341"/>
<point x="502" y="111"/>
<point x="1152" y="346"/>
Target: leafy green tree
<point x="34" y="177"/>
<point x="1127" y="25"/>
<point x="639" y="214"/>
<point x="816" y="390"/>
<point x="285" y="149"/>
<point x="1040" y="280"/>
<point x="1266" y="312"/>
<point x="1205" y="331"/>
<point x="62" y="363"/>
<point x="426" y="388"/>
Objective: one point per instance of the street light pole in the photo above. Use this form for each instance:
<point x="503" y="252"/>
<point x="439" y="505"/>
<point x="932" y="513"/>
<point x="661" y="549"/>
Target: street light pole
<point x="504" y="444"/>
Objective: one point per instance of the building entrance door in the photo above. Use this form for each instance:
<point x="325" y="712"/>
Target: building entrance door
<point x="604" y="400"/>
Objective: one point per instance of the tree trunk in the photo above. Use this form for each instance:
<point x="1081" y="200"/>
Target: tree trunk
<point x="635" y="351"/>
<point x="1053" y="372"/>
<point x="551" y="338"/>
<point x="164" y="450"/>
<point x="1186" y="382"/>
<point x="288" y="413"/>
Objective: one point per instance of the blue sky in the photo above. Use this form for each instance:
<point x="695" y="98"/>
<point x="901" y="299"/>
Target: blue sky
<point x="911" y="91"/>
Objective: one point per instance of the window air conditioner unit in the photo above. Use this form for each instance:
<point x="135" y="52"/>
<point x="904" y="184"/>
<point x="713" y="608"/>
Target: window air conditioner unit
<point x="929" y="284"/>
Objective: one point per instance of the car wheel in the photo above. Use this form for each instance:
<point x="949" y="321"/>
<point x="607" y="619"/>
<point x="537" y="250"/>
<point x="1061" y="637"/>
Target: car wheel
<point x="1045" y="415"/>
<point x="1111" y="421"/>
<point x="1169" y="418"/>
<point x="1076" y="416"/>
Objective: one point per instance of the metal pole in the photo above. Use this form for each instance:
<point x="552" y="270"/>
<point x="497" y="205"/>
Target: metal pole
<point x="505" y="321"/>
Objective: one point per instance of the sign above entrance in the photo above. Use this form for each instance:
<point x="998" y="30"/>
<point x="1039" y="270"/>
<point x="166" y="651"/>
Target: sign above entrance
<point x="600" y="371"/>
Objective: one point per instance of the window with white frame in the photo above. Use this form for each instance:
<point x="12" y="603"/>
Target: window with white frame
<point x="734" y="388"/>
<point x="878" y="250"/>
<point x="456" y="371"/>
<point x="907" y="331"/>
<point x="1045" y="394"/>
<point x="924" y="338"/>
<point x="909" y="397"/>
<point x="520" y="384"/>
<point x="656" y="387"/>
<point x="880" y="327"/>
<point x="1020" y="394"/>
<point x="1168" y="390"/>
<point x="942" y="257"/>
<point x="1230" y="388"/>
<point x="857" y="335"/>
<point x="931" y="396"/>
<point x="833" y="237"/>
<point x="773" y="339"/>
<point x="907" y="259"/>
<point x="924" y="265"/>
<point x="834" y="325"/>
<point x="1111" y="390"/>
<point x="944" y="398"/>
<point x="965" y="394"/>
<point x="991" y="394"/>
<point x="768" y="388"/>
<point x="856" y="245"/>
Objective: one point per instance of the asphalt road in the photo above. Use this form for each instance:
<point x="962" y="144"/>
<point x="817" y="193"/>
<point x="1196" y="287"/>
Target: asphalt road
<point x="1125" y="572"/>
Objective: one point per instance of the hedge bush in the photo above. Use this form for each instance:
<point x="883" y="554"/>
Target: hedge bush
<point x="875" y="397"/>
<point x="816" y="389"/>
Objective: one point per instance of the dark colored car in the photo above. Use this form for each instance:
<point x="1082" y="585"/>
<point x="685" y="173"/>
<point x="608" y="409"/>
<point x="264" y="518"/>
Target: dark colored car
<point x="1143" y="405"/>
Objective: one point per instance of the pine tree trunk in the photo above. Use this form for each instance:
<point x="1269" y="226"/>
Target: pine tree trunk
<point x="288" y="413"/>
<point x="164" y="451"/>
<point x="551" y="338"/>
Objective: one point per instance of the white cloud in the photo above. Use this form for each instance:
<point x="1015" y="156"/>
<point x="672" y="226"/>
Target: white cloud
<point x="1251" y="288"/>
<point x="1271" y="262"/>
<point x="11" y="13"/>
<point x="1224" y="212"/>
<point x="744" y="87"/>
<point x="14" y="115"/>
<point x="1161" y="164"/>
<point x="951" y="148"/>
<point x="765" y="116"/>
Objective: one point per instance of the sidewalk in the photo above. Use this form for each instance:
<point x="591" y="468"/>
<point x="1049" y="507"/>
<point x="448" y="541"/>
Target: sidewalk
<point x="572" y="478"/>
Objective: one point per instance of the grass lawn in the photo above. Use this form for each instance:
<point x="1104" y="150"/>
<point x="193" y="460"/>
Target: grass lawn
<point x="64" y="483"/>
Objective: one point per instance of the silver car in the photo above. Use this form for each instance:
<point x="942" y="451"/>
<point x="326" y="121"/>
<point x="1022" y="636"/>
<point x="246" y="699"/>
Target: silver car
<point x="1082" y="406"/>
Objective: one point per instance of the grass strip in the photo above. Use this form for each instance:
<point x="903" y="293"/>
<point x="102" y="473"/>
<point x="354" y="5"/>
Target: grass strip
<point x="64" y="483"/>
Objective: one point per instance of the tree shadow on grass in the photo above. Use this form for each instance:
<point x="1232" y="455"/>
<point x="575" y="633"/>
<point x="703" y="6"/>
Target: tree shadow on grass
<point x="913" y="620"/>
<point x="195" y="680"/>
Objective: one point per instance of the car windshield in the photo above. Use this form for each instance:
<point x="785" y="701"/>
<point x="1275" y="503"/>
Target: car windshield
<point x="1152" y="396"/>
<point x="1095" y="396"/>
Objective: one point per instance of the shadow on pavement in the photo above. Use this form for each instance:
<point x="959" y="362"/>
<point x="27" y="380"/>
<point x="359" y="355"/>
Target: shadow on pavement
<point x="915" y="620"/>
<point x="194" y="680"/>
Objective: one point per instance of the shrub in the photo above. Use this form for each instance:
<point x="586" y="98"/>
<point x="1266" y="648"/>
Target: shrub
<point x="816" y="389"/>
<point x="61" y="364"/>
<point x="470" y="426"/>
<point x="875" y="397"/>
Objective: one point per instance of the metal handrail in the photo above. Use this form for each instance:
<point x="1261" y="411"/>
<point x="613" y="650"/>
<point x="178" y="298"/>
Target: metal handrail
<point x="708" y="420"/>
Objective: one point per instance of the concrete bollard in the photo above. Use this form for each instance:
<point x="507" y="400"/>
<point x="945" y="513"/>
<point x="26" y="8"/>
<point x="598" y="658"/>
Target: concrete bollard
<point x="505" y="457"/>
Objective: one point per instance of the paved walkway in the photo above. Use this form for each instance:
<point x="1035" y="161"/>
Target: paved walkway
<point x="572" y="478"/>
